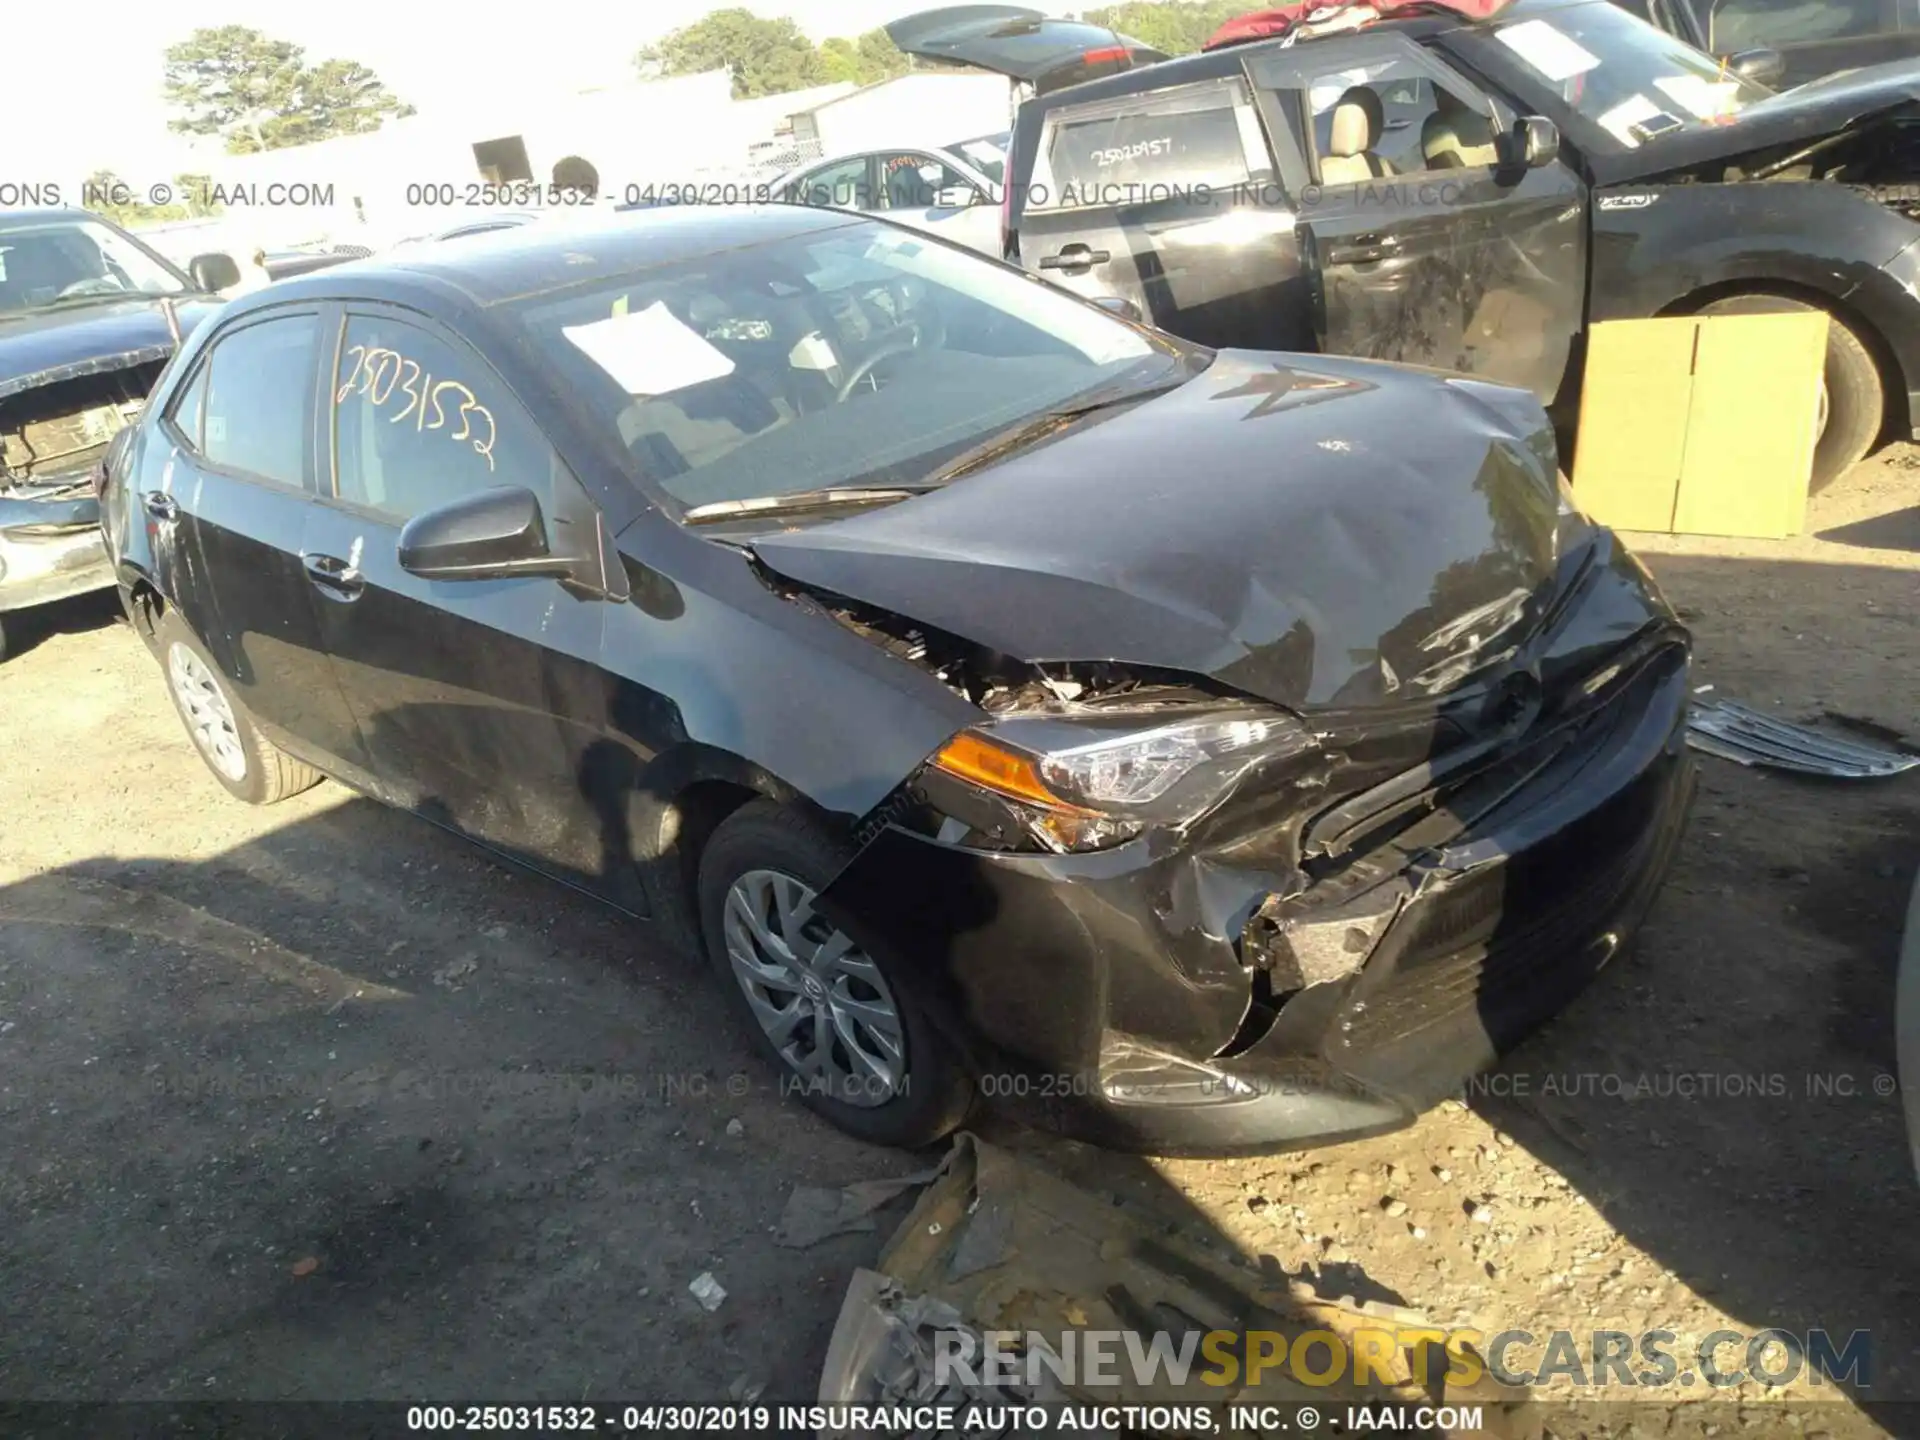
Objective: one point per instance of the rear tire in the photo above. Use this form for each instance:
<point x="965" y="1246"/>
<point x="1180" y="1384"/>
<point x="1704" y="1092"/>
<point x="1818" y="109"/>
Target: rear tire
<point x="830" y="1002"/>
<point x="1856" y="398"/>
<point x="250" y="766"/>
<point x="3" y="639"/>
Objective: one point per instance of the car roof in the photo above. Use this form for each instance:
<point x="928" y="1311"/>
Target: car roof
<point x="559" y="252"/>
<point x="51" y="212"/>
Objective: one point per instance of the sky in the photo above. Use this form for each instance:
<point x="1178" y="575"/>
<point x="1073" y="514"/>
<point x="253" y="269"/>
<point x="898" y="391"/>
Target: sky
<point x="101" y="105"/>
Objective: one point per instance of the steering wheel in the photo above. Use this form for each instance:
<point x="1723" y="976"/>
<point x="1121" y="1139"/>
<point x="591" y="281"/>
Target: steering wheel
<point x="897" y="344"/>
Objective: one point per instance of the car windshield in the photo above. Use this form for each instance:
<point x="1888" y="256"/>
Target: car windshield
<point x="56" y="262"/>
<point x="1634" y="82"/>
<point x="987" y="154"/>
<point x="861" y="356"/>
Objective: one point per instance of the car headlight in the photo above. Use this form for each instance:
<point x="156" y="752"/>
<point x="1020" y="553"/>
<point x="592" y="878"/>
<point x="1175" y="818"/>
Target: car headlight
<point x="1080" y="783"/>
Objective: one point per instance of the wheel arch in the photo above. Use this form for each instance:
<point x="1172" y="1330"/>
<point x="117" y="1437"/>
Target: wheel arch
<point x="678" y="802"/>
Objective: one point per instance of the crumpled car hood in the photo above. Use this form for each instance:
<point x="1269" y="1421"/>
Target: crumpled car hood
<point x="1803" y="114"/>
<point x="1311" y="530"/>
<point x="41" y="348"/>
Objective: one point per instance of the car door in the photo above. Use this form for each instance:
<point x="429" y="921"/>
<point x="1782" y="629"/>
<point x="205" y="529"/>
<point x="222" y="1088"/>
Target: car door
<point x="480" y="700"/>
<point x="843" y="184"/>
<point x="1423" y="241"/>
<point x="1169" y="199"/>
<point x="1814" y="37"/>
<point x="922" y="190"/>
<point x="230" y="504"/>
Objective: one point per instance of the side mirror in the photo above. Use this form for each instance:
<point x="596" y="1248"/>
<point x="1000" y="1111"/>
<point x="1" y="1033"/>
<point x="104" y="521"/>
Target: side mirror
<point x="1533" y="142"/>
<point x="488" y="536"/>
<point x="500" y="533"/>
<point x="1763" y="67"/>
<point x="1120" y="305"/>
<point x="214" y="272"/>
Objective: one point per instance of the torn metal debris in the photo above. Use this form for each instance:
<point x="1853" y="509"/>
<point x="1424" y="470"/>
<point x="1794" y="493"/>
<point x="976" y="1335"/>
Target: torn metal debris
<point x="1743" y="735"/>
<point x="999" y="1247"/>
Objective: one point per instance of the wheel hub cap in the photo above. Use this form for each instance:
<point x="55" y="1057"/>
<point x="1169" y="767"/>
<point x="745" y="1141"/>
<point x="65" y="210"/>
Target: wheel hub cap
<point x="817" y="995"/>
<point x="209" y="716"/>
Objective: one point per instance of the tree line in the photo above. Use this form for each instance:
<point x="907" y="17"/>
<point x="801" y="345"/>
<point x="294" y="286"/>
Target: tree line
<point x="771" y="56"/>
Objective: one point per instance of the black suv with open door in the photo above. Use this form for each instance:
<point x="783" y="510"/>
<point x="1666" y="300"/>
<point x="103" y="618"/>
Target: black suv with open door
<point x="1471" y="194"/>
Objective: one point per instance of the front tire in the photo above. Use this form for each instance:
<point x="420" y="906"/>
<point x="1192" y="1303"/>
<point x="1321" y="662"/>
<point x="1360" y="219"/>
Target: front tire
<point x="250" y="766"/>
<point x="1856" y="397"/>
<point x="831" y="1003"/>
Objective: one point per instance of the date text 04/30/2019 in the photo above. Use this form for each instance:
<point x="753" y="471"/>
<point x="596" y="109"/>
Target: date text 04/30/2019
<point x="893" y="1419"/>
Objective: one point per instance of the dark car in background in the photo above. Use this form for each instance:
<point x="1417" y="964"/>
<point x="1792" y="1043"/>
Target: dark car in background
<point x="1813" y="38"/>
<point x="88" y="317"/>
<point x="1471" y="195"/>
<point x="1238" y="748"/>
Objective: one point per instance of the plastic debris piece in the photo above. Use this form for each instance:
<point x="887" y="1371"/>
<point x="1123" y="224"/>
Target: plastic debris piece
<point x="708" y="1291"/>
<point x="1743" y="735"/>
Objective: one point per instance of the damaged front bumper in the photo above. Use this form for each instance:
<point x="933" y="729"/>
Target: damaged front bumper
<point x="50" y="545"/>
<point x="1162" y="996"/>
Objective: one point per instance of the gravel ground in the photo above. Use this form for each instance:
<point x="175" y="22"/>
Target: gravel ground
<point x="316" y="1102"/>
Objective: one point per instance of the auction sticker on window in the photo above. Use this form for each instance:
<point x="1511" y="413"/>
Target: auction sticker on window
<point x="650" y="351"/>
<point x="1551" y="51"/>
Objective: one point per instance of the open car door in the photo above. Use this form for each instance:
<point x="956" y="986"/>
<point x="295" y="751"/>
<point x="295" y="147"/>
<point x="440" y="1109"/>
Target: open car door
<point x="1040" y="52"/>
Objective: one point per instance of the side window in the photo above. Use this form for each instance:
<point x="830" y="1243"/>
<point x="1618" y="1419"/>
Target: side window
<point x="257" y="414"/>
<point x="842" y="186"/>
<point x="1737" y="25"/>
<point x="1160" y="146"/>
<point x="419" y="421"/>
<point x="1392" y="118"/>
<point x="910" y="181"/>
<point x="188" y="405"/>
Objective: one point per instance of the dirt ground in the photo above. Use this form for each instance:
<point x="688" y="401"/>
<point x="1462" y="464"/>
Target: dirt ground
<point x="316" y="1102"/>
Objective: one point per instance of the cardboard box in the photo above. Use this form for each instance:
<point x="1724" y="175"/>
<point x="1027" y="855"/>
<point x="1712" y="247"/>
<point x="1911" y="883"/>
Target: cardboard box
<point x="1701" y="425"/>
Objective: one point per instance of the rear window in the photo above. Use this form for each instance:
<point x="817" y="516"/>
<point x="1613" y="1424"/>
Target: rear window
<point x="1149" y="148"/>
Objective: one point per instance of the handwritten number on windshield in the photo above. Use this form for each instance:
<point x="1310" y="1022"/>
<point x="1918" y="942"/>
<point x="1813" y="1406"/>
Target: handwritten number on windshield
<point x="379" y="374"/>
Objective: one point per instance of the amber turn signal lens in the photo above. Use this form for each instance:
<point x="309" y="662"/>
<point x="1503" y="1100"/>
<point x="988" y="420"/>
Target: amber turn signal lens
<point x="979" y="761"/>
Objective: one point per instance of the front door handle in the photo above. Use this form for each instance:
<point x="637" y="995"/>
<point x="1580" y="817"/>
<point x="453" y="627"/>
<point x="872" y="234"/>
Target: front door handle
<point x="1364" y="250"/>
<point x="160" y="504"/>
<point x="1074" y="258"/>
<point x="333" y="577"/>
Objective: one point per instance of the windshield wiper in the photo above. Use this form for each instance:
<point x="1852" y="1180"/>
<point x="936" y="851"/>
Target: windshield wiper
<point x="1038" y="427"/>
<point x="1026" y="432"/>
<point x="824" y="498"/>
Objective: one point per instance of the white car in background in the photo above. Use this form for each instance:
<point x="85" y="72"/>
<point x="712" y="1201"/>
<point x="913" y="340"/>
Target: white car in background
<point x="952" y="191"/>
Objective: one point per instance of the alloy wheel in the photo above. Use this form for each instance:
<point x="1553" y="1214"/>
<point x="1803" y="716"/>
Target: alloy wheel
<point x="817" y="995"/>
<point x="208" y="713"/>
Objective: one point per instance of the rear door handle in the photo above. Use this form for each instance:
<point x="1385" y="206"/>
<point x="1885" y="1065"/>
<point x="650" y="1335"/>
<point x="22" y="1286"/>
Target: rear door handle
<point x="160" y="504"/>
<point x="1074" y="257"/>
<point x="1363" y="250"/>
<point x="333" y="577"/>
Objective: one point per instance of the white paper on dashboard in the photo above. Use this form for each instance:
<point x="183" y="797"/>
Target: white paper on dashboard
<point x="650" y="351"/>
<point x="1701" y="98"/>
<point x="1552" y="52"/>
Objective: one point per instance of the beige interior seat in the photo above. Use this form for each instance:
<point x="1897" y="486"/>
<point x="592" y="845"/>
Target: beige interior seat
<point x="1456" y="138"/>
<point x="1358" y="121"/>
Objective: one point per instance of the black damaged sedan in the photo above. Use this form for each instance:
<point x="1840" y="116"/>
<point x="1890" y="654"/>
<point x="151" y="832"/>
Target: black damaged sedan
<point x="1216" y="749"/>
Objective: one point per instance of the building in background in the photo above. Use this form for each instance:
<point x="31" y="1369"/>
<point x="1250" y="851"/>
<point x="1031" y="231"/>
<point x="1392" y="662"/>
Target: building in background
<point x="925" y="107"/>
